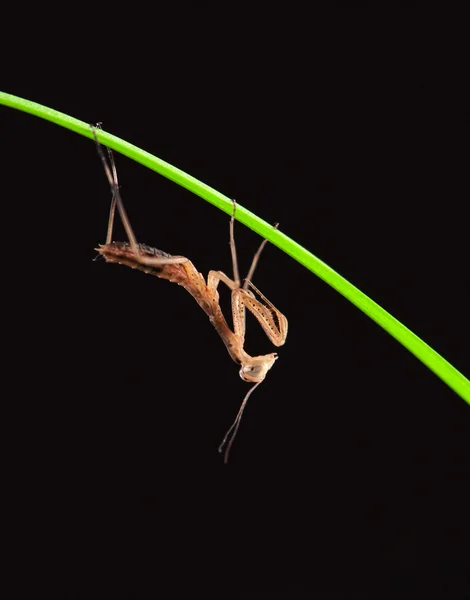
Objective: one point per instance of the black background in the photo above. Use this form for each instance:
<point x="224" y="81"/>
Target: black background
<point x="349" y="476"/>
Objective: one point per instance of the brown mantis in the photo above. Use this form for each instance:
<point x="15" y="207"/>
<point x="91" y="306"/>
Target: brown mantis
<point x="181" y="270"/>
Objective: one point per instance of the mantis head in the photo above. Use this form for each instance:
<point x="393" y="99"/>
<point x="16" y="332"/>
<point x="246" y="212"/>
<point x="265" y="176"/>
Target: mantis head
<point x="254" y="370"/>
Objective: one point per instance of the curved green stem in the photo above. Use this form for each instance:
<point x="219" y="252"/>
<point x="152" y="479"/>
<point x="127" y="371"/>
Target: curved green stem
<point x="442" y="368"/>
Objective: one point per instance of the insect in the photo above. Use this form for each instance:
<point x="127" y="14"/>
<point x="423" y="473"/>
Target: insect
<point x="181" y="270"/>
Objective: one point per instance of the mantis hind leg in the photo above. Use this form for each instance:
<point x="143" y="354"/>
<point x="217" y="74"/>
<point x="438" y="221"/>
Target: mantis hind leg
<point x="111" y="174"/>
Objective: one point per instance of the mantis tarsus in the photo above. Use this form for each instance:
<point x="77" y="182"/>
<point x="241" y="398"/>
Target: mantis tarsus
<point x="181" y="270"/>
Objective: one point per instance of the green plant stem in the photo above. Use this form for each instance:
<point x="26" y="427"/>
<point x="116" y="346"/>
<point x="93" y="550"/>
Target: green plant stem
<point x="436" y="363"/>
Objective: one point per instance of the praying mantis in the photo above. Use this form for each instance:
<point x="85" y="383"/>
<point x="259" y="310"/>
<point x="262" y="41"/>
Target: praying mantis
<point x="180" y="270"/>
